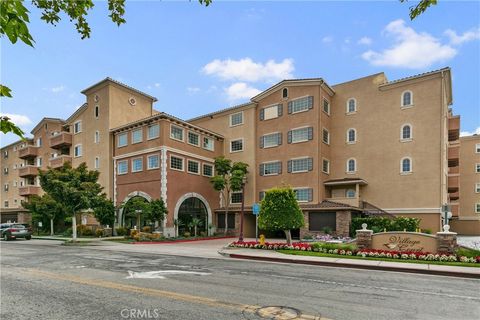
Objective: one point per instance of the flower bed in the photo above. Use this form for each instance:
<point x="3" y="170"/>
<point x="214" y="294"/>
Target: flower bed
<point x="345" y="250"/>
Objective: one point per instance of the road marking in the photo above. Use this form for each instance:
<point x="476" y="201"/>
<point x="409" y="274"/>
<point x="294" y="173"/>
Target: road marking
<point x="161" y="274"/>
<point x="158" y="293"/>
<point x="380" y="288"/>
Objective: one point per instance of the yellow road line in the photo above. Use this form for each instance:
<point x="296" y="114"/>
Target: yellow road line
<point x="157" y="293"/>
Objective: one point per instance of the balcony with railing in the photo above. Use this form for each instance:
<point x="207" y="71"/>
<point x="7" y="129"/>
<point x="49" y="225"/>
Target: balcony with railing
<point x="61" y="140"/>
<point x="453" y="196"/>
<point x="455" y="208"/>
<point x="453" y="128"/>
<point x="453" y="184"/>
<point x="28" y="171"/>
<point x="453" y="152"/>
<point x="29" y="191"/>
<point x="57" y="162"/>
<point x="28" y="152"/>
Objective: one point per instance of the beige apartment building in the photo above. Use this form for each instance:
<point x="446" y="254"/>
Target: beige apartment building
<point x="363" y="147"/>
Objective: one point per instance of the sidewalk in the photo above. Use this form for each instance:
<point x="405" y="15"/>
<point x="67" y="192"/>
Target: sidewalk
<point x="273" y="256"/>
<point x="63" y="238"/>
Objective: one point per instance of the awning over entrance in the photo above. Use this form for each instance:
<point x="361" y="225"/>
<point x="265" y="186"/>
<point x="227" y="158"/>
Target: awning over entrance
<point x="345" y="181"/>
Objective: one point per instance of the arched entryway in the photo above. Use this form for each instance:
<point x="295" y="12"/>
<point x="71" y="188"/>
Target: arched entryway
<point x="192" y="212"/>
<point x="130" y="219"/>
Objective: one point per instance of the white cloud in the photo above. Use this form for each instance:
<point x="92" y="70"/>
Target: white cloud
<point x="468" y="133"/>
<point x="410" y="49"/>
<point x="465" y="37"/>
<point x="157" y="85"/>
<point x="57" y="89"/>
<point x="193" y="90"/>
<point x="365" y="40"/>
<point x="247" y="70"/>
<point x="18" y="119"/>
<point x="327" y="39"/>
<point x="240" y="90"/>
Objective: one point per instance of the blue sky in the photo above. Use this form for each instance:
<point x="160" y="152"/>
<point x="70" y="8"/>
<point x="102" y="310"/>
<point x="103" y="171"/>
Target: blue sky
<point x="196" y="60"/>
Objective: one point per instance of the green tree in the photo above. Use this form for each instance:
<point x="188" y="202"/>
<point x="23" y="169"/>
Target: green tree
<point x="75" y="189"/>
<point x="420" y="8"/>
<point x="280" y="211"/>
<point x="137" y="207"/>
<point x="104" y="210"/>
<point x="228" y="178"/>
<point x="14" y="20"/>
<point x="195" y="224"/>
<point x="157" y="210"/>
<point x="44" y="208"/>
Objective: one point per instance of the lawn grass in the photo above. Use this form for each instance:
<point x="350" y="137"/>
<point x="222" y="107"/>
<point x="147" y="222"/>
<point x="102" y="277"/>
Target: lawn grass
<point x="329" y="255"/>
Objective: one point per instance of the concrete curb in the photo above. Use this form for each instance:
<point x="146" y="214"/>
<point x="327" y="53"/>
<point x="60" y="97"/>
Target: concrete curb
<point x="463" y="274"/>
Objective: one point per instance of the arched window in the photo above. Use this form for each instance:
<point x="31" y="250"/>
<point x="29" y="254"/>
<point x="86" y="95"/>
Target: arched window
<point x="406" y="165"/>
<point x="351" y="135"/>
<point x="351" y="105"/>
<point x="350" y="193"/>
<point x="407" y="98"/>
<point x="351" y="165"/>
<point x="285" y="93"/>
<point x="406" y="133"/>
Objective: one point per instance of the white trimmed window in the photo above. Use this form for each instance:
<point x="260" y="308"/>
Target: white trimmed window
<point x="97" y="162"/>
<point x="208" y="143"/>
<point x="326" y="106"/>
<point x="406" y="132"/>
<point x="325" y="136"/>
<point x="77" y="127"/>
<point x="407" y="99"/>
<point x="477" y="207"/>
<point x="351" y="135"/>
<point x="299" y="135"/>
<point x="137" y="164"/>
<point x="477" y="167"/>
<point x="271" y="168"/>
<point x="477" y="148"/>
<point x="137" y="135"/>
<point x="351" y="165"/>
<point x="236" y="197"/>
<point x="122" y="140"/>
<point x="299" y="105"/>
<point x="236" y="119"/>
<point x="153" y="131"/>
<point x="271" y="140"/>
<point x="350" y="193"/>
<point x="39" y="142"/>
<point x="176" y="133"/>
<point x="236" y="145"/>
<point x="193" y="166"/>
<point x="193" y="139"/>
<point x="303" y="194"/>
<point x="153" y="162"/>
<point x="477" y="187"/>
<point x="271" y="112"/>
<point x="77" y="150"/>
<point x="96" y="137"/>
<point x="122" y="167"/>
<point x="351" y="106"/>
<point x="406" y="165"/>
<point x="176" y="163"/>
<point x="207" y="170"/>
<point x="300" y="165"/>
<point x="326" y="166"/>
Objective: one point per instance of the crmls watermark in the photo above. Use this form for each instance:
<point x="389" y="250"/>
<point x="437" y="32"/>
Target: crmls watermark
<point x="140" y="313"/>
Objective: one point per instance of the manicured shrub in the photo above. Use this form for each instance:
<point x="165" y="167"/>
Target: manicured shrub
<point x="68" y="232"/>
<point x="187" y="234"/>
<point x="133" y="233"/>
<point x="99" y="232"/>
<point x="121" y="231"/>
<point x="81" y="229"/>
<point x="147" y="229"/>
<point x="327" y="230"/>
<point x="380" y="224"/>
<point x="88" y="232"/>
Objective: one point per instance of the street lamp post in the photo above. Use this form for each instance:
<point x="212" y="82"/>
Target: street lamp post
<point x="244" y="181"/>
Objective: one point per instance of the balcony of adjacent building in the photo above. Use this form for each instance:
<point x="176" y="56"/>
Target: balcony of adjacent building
<point x="453" y="128"/>
<point x="345" y="191"/>
<point x="61" y="140"/>
<point x="29" y="190"/>
<point x="453" y="184"/>
<point x="58" y="161"/>
<point x="28" y="152"/>
<point x="454" y="196"/>
<point x="453" y="152"/>
<point x="28" y="171"/>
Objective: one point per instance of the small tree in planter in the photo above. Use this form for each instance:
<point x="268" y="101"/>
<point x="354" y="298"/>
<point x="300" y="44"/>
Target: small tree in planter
<point x="157" y="210"/>
<point x="280" y="211"/>
<point x="196" y="223"/>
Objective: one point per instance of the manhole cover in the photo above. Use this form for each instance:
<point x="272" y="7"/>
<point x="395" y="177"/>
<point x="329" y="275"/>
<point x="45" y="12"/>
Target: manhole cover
<point x="278" y="313"/>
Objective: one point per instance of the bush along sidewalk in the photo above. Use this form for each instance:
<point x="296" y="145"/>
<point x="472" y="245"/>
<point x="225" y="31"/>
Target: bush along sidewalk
<point x="351" y="250"/>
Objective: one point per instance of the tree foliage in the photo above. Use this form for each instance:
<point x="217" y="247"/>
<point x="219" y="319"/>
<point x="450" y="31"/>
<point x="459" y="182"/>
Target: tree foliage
<point x="104" y="210"/>
<point x="158" y="210"/>
<point x="44" y="209"/>
<point x="139" y="206"/>
<point x="420" y="8"/>
<point x="228" y="178"/>
<point x="280" y="211"/>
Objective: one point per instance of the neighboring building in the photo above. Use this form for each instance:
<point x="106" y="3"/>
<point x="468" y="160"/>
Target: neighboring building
<point x="466" y="205"/>
<point x="364" y="147"/>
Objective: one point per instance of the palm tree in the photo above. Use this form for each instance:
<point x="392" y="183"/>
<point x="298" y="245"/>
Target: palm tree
<point x="196" y="223"/>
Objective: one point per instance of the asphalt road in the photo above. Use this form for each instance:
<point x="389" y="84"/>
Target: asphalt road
<point x="43" y="280"/>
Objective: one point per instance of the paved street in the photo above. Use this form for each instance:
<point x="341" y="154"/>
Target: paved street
<point x="42" y="280"/>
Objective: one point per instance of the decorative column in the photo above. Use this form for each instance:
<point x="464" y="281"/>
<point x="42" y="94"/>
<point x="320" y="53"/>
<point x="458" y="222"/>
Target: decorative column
<point x="446" y="241"/>
<point x="364" y="237"/>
